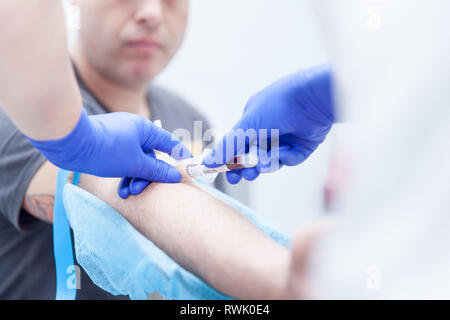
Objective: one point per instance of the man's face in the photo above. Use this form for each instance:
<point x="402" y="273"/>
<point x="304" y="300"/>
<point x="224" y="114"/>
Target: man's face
<point x="131" y="41"/>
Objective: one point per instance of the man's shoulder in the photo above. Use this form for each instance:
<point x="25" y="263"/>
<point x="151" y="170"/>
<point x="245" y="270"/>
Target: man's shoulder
<point x="7" y="127"/>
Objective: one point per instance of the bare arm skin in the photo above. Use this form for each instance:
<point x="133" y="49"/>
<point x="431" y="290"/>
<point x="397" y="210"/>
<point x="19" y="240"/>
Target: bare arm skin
<point x="38" y="89"/>
<point x="204" y="235"/>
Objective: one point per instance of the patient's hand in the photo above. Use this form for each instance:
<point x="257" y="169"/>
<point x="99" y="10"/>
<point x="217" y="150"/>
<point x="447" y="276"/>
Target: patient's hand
<point x="302" y="246"/>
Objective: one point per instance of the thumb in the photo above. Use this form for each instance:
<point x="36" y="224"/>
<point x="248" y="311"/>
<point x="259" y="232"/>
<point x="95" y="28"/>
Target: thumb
<point x="153" y="169"/>
<point x="159" y="139"/>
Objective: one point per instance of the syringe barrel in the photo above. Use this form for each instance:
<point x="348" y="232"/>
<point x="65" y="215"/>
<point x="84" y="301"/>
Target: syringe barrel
<point x="190" y="169"/>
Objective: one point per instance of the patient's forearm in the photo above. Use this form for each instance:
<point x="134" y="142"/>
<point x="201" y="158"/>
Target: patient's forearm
<point x="204" y="235"/>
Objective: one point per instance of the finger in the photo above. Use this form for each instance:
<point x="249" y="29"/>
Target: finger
<point x="250" y="174"/>
<point x="180" y="152"/>
<point x="269" y="161"/>
<point x="234" y="177"/>
<point x="292" y="156"/>
<point x="164" y="141"/>
<point x="235" y="142"/>
<point x="284" y="155"/>
<point x="124" y="188"/>
<point x="153" y="169"/>
<point x="138" y="185"/>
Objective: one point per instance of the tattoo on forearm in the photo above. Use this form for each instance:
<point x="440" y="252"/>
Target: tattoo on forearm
<point x="40" y="206"/>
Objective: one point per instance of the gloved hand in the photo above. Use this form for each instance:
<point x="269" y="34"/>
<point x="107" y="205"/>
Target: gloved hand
<point x="300" y="106"/>
<point x="115" y="145"/>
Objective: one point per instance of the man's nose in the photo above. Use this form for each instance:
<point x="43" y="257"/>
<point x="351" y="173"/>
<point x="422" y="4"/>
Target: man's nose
<point x="149" y="13"/>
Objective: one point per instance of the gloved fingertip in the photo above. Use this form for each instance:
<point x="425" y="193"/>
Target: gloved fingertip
<point x="134" y="191"/>
<point x="124" y="188"/>
<point x="208" y="162"/>
<point x="173" y="175"/>
<point x="250" y="174"/>
<point x="183" y="153"/>
<point x="292" y="156"/>
<point x="124" y="194"/>
<point x="138" y="185"/>
<point x="189" y="156"/>
<point x="233" y="177"/>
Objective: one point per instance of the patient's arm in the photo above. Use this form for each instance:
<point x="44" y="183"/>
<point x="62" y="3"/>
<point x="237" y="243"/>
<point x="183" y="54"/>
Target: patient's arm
<point x="204" y="235"/>
<point x="38" y="88"/>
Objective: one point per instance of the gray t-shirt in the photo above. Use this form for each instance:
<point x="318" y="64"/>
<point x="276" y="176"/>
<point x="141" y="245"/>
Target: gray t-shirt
<point x="27" y="265"/>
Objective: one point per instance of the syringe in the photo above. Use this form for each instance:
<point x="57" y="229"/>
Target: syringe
<point x="193" y="168"/>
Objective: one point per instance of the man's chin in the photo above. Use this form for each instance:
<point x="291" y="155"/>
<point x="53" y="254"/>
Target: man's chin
<point x="137" y="77"/>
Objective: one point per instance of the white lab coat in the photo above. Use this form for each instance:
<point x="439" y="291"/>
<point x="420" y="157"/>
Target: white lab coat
<point x="391" y="61"/>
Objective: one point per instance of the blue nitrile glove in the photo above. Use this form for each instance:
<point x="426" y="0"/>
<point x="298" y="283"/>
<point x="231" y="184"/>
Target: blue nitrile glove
<point x="300" y="106"/>
<point x="115" y="145"/>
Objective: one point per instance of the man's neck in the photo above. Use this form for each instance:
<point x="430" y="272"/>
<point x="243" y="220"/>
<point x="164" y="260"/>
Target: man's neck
<point x="115" y="97"/>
